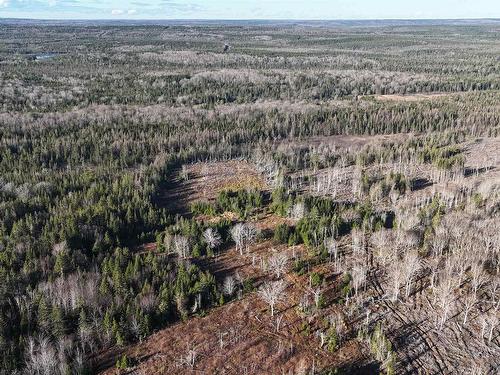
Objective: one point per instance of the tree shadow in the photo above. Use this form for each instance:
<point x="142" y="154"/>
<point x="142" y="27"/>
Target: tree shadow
<point x="469" y="171"/>
<point x="371" y="368"/>
<point x="421" y="183"/>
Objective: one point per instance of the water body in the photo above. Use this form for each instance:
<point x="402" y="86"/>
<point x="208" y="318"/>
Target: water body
<point x="45" y="56"/>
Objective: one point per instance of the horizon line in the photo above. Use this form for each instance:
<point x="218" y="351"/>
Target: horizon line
<point x="253" y="19"/>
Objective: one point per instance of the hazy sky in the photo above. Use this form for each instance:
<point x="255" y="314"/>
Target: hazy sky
<point x="248" y="9"/>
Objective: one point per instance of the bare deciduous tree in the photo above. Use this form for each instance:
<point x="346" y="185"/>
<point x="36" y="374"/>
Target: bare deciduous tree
<point x="333" y="249"/>
<point x="181" y="246"/>
<point x="278" y="263"/>
<point x="243" y="235"/>
<point x="470" y="301"/>
<point x="396" y="277"/>
<point x="59" y="248"/>
<point x="41" y="357"/>
<point x="238" y="235"/>
<point x="478" y="277"/>
<point x="493" y="289"/>
<point x="444" y="294"/>
<point x="411" y="265"/>
<point x="212" y="238"/>
<point x="250" y="235"/>
<point x="381" y="243"/>
<point x="229" y="286"/>
<point x="439" y="241"/>
<point x="272" y="292"/>
<point x="135" y="328"/>
<point x="358" y="274"/>
<point x="493" y="323"/>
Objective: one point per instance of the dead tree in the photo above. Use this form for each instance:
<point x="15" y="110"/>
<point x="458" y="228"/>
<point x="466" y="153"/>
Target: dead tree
<point x="478" y="277"/>
<point x="411" y="265"/>
<point x="317" y="296"/>
<point x="278" y="263"/>
<point x="229" y="286"/>
<point x="181" y="246"/>
<point x="396" y="278"/>
<point x="358" y="274"/>
<point x="243" y="236"/>
<point x="298" y="211"/>
<point x="357" y="182"/>
<point x="444" y="294"/>
<point x="212" y="238"/>
<point x="238" y="235"/>
<point x="333" y="249"/>
<point x="189" y="359"/>
<point x="272" y="293"/>
<point x="470" y="301"/>
<point x="381" y="242"/>
<point x="184" y="173"/>
<point x="250" y="235"/>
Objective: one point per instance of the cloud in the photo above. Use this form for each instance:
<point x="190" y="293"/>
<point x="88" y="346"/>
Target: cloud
<point x="4" y="3"/>
<point x="121" y="12"/>
<point x="175" y="5"/>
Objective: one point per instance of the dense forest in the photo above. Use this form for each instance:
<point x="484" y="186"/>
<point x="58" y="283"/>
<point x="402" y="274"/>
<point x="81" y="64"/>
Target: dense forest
<point x="379" y="148"/>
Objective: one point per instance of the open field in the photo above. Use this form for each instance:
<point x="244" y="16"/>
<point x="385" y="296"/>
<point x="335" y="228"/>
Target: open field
<point x="300" y="198"/>
<point x="411" y="98"/>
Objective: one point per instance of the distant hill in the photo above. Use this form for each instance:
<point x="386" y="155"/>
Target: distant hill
<point x="312" y="23"/>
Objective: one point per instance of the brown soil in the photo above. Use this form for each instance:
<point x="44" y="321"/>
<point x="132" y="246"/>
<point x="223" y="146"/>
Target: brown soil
<point x="239" y="337"/>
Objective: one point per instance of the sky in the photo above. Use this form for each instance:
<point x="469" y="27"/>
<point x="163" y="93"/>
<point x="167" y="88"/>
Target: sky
<point x="249" y="9"/>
